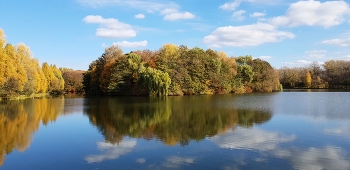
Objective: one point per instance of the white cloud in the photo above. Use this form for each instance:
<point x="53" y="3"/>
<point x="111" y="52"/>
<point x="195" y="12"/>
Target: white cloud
<point x="315" y="54"/>
<point x="257" y="14"/>
<point x="298" y="63"/>
<point x="128" y="44"/>
<point x="265" y="57"/>
<point x="110" y="27"/>
<point x="230" y="5"/>
<point x="238" y="14"/>
<point x="246" y="35"/>
<point x="146" y="5"/>
<point x="111" y="151"/>
<point x="249" y="139"/>
<point x="172" y="14"/>
<point x="338" y="42"/>
<point x="140" y="16"/>
<point x="168" y="11"/>
<point x="314" y="13"/>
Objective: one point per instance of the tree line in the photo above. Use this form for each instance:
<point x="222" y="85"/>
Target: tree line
<point x="333" y="74"/>
<point x="177" y="70"/>
<point x="21" y="74"/>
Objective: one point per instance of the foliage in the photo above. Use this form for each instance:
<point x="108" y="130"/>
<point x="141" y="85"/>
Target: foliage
<point x="332" y="74"/>
<point x="177" y="70"/>
<point x="21" y="74"/>
<point x="73" y="80"/>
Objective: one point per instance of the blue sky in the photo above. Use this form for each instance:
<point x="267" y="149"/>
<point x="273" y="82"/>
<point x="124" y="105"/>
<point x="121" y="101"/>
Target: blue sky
<point x="72" y="33"/>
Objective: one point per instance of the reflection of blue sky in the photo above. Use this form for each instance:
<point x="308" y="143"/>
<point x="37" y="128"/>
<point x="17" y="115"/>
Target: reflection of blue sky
<point x="111" y="151"/>
<point x="327" y="157"/>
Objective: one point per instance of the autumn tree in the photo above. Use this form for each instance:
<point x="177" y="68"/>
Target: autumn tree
<point x="308" y="79"/>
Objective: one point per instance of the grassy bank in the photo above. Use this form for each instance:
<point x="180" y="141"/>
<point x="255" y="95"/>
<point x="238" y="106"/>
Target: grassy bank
<point x="20" y="97"/>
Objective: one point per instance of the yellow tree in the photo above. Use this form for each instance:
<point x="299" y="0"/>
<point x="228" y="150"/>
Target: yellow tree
<point x="14" y="70"/>
<point x="170" y="51"/>
<point x="59" y="78"/>
<point x="308" y="79"/>
<point x="3" y="57"/>
<point x="24" y="58"/>
<point x="49" y="75"/>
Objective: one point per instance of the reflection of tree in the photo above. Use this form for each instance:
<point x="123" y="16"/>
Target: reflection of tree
<point x="126" y="116"/>
<point x="171" y="120"/>
<point x="20" y="119"/>
<point x="247" y="118"/>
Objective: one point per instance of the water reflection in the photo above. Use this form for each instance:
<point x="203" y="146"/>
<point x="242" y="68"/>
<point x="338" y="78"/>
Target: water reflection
<point x="174" y="120"/>
<point x="20" y="119"/>
<point x="111" y="151"/>
<point x="251" y="139"/>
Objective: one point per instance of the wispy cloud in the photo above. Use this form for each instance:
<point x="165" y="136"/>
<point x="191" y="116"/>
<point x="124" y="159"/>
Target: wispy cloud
<point x="128" y="44"/>
<point x="310" y="158"/>
<point x="239" y="15"/>
<point x="265" y="57"/>
<point x="176" y="161"/>
<point x="316" y="54"/>
<point x="298" y="63"/>
<point x="338" y="42"/>
<point x="147" y="5"/>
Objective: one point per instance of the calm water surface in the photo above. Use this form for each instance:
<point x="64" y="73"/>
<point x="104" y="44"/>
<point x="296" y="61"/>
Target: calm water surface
<point x="289" y="130"/>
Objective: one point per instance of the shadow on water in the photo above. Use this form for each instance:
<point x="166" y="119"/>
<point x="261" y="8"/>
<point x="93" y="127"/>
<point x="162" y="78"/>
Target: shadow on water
<point x="172" y="120"/>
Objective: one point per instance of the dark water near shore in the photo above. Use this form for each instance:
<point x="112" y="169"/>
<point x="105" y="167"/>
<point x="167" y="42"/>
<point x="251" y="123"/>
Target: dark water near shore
<point x="295" y="129"/>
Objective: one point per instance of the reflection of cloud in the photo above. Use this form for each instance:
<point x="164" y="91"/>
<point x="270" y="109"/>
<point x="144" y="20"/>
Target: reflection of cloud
<point x="315" y="158"/>
<point x="141" y="160"/>
<point x="111" y="151"/>
<point x="251" y="139"/>
<point x="328" y="157"/>
<point x="175" y="161"/>
<point x="343" y="131"/>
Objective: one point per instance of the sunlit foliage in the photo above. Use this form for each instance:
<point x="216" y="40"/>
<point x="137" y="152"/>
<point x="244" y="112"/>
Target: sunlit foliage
<point x="21" y="74"/>
<point x="177" y="70"/>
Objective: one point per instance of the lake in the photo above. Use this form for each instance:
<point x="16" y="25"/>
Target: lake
<point x="288" y="130"/>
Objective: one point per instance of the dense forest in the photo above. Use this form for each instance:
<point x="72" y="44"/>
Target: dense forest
<point x="21" y="74"/>
<point x="177" y="70"/>
<point x="333" y="74"/>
